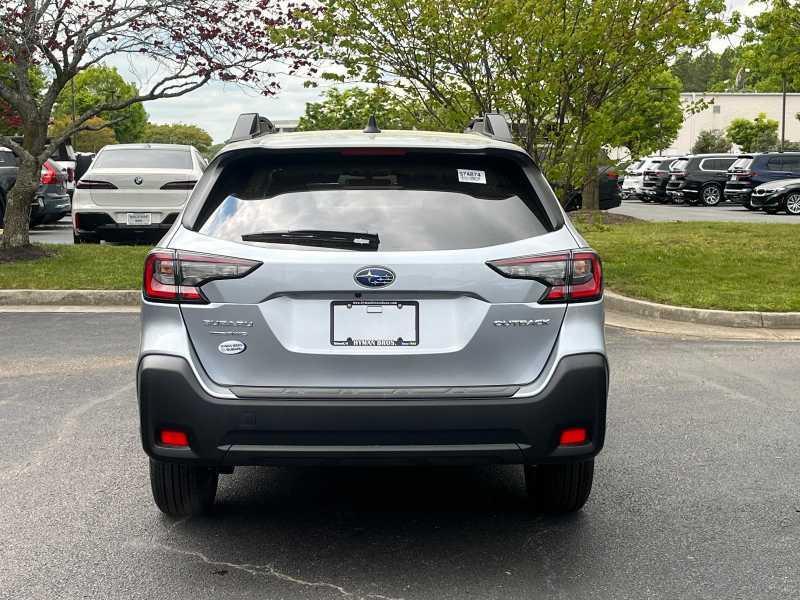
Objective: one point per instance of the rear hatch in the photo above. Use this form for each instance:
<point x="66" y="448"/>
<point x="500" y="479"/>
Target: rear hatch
<point x="422" y="310"/>
<point x="740" y="175"/>
<point x="140" y="178"/>
<point x="677" y="177"/>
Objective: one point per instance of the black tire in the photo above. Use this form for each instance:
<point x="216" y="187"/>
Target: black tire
<point x="183" y="490"/>
<point x="747" y="205"/>
<point x="80" y="239"/>
<point x="559" y="488"/>
<point x="711" y="195"/>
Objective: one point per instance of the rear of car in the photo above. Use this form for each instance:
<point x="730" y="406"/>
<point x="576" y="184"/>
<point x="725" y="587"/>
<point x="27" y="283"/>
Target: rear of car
<point x="355" y="298"/>
<point x="654" y="183"/>
<point x="699" y="179"/>
<point x="752" y="170"/>
<point x="134" y="191"/>
<point x="51" y="202"/>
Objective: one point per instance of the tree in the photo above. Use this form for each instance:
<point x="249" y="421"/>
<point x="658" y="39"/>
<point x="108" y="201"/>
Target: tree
<point x="711" y="142"/>
<point x="100" y="134"/>
<point x="552" y="66"/>
<point x="179" y="133"/>
<point x="183" y="44"/>
<point x="772" y="46"/>
<point x="709" y="71"/>
<point x="351" y="108"/>
<point x="758" y="135"/>
<point x="98" y="85"/>
<point x="646" y="117"/>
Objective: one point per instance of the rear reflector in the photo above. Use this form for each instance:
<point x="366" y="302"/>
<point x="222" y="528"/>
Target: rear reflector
<point x="89" y="184"/>
<point x="573" y="436"/>
<point x="171" y="276"/>
<point x="170" y="437"/>
<point x="569" y="276"/>
<point x="179" y="185"/>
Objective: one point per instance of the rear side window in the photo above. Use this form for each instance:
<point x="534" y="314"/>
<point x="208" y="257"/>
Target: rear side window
<point x="143" y="158"/>
<point x="413" y="203"/>
<point x="7" y="159"/>
<point x="791" y="163"/>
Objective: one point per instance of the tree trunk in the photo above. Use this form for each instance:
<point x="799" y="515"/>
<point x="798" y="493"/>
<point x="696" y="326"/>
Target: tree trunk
<point x="18" y="204"/>
<point x="590" y="195"/>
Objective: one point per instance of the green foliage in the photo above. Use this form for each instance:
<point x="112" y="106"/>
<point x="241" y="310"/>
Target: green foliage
<point x="351" y="108"/>
<point x="711" y="142"/>
<point x="645" y="117"/>
<point x="772" y="46"/>
<point x="758" y="135"/>
<point x="552" y="66"/>
<point x="99" y="134"/>
<point x="100" y="84"/>
<point x="179" y="133"/>
<point x="709" y="71"/>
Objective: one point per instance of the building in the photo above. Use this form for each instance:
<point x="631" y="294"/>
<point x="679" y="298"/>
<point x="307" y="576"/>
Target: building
<point x="725" y="107"/>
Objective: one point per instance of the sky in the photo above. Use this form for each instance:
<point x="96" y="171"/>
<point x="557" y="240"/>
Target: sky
<point x="216" y="106"/>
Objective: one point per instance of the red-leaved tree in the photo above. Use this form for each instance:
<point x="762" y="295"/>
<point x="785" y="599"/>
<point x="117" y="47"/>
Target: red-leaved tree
<point x="183" y="44"/>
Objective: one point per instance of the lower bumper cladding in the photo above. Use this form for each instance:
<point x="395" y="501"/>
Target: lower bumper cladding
<point x="225" y="432"/>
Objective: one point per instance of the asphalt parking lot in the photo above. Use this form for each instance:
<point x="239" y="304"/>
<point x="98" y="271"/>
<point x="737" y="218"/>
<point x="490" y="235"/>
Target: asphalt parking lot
<point x="696" y="494"/>
<point x="650" y="211"/>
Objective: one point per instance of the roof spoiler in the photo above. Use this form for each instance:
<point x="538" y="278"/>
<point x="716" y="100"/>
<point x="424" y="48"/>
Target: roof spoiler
<point x="492" y="125"/>
<point x="249" y="126"/>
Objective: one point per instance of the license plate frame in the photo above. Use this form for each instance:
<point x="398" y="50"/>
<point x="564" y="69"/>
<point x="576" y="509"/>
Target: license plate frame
<point x="403" y="324"/>
<point x="134" y="219"/>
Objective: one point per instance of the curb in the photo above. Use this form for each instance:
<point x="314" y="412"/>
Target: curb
<point x="70" y="297"/>
<point x="723" y="318"/>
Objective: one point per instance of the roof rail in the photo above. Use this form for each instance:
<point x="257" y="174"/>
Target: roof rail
<point x="249" y="126"/>
<point x="492" y="125"/>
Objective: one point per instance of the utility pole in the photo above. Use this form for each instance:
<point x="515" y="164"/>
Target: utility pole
<point x="783" y="113"/>
<point x="72" y="93"/>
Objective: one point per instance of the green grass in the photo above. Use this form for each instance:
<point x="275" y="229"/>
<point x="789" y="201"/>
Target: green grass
<point x="730" y="266"/>
<point x="87" y="267"/>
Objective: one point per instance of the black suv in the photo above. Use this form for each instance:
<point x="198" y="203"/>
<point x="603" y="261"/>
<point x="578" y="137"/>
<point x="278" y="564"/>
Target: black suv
<point x="610" y="195"/>
<point x="751" y="170"/>
<point x="699" y="178"/>
<point x="654" y="183"/>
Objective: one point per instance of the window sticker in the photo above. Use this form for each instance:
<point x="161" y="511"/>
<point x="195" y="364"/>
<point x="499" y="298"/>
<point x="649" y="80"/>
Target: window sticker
<point x="471" y="176"/>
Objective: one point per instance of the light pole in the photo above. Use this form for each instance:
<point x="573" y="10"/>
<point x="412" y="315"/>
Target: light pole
<point x="783" y="111"/>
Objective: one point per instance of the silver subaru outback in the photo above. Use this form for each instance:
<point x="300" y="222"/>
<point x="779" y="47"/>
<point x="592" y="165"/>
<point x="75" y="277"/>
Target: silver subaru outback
<point x="372" y="298"/>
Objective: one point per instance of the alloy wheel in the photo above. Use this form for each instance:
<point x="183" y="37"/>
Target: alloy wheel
<point x="793" y="204"/>
<point x="711" y="195"/>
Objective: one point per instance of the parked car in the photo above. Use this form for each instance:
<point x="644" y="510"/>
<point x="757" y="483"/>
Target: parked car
<point x="64" y="159"/>
<point x="372" y="298"/>
<point x="634" y="176"/>
<point x="783" y="194"/>
<point x="609" y="192"/>
<point x="752" y="170"/>
<point x="134" y="191"/>
<point x="654" y="184"/>
<point x="51" y="202"/>
<point x="699" y="178"/>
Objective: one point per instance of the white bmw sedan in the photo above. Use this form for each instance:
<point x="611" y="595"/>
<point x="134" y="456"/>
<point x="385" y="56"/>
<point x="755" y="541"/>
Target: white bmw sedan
<point x="134" y="192"/>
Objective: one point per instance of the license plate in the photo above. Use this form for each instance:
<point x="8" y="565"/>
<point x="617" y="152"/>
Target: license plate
<point x="140" y="218"/>
<point x="374" y="323"/>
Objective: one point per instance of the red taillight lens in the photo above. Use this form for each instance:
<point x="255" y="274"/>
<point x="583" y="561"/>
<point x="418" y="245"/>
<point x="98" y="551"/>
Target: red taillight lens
<point x="661" y="173"/>
<point x="89" y="184"/>
<point x="49" y="174"/>
<point x="179" y="185"/>
<point x="373" y="152"/>
<point x="171" y="437"/>
<point x="573" y="436"/>
<point x="569" y="277"/>
<point x="612" y="174"/>
<point x="171" y="276"/>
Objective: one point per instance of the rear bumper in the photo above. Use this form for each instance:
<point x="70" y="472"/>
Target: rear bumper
<point x="103" y="227"/>
<point x="50" y="207"/>
<point x="741" y="195"/>
<point x="244" y="431"/>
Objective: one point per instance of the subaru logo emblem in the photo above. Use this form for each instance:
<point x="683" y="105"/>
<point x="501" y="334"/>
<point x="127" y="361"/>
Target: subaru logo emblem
<point x="138" y="180"/>
<point x="374" y="277"/>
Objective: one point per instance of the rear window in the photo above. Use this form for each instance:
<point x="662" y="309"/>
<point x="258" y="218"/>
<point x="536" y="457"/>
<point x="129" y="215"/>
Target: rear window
<point x="143" y="158"/>
<point x="680" y="164"/>
<point x="665" y="164"/>
<point x="415" y="202"/>
<point x="716" y="164"/>
<point x="742" y="164"/>
<point x="7" y="159"/>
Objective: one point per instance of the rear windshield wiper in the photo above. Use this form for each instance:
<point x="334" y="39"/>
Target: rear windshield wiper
<point x="347" y="240"/>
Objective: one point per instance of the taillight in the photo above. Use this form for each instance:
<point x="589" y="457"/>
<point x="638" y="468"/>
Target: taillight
<point x="171" y="276"/>
<point x="661" y="173"/>
<point x="612" y="174"/>
<point x="574" y="276"/>
<point x="49" y="174"/>
<point x="90" y="184"/>
<point x="179" y="185"/>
